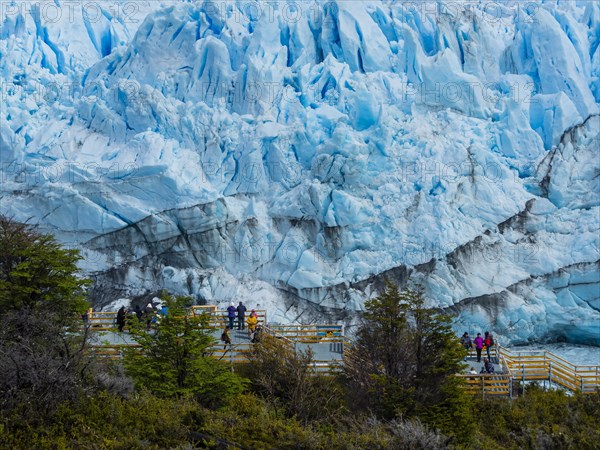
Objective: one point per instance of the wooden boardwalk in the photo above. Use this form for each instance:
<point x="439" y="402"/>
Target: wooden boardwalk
<point x="325" y="341"/>
<point x="512" y="370"/>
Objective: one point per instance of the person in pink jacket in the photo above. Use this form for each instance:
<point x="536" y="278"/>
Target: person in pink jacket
<point x="478" y="341"/>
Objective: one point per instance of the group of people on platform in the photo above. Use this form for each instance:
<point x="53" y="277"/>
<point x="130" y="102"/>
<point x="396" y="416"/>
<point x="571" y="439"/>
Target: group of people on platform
<point x="480" y="343"/>
<point x="239" y="313"/>
<point x="150" y="314"/>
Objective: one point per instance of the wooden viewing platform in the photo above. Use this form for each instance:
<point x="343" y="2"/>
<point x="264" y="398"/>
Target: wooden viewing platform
<point x="518" y="368"/>
<point x="330" y="347"/>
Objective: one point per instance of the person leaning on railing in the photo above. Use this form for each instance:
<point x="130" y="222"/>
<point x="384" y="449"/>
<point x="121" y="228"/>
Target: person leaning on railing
<point x="231" y="311"/>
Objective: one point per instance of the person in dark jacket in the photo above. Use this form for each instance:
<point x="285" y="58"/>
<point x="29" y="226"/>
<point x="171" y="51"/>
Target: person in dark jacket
<point x="231" y="315"/>
<point x="149" y="314"/>
<point x="241" y="316"/>
<point x="466" y="342"/>
<point x="478" y="341"/>
<point x="138" y="312"/>
<point x="488" y="367"/>
<point x="225" y="338"/>
<point x="257" y="335"/>
<point x="121" y="313"/>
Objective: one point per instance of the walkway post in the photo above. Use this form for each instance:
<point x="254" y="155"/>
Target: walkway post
<point x="231" y="356"/>
<point x="483" y="387"/>
<point x="523" y="369"/>
<point x="550" y="374"/>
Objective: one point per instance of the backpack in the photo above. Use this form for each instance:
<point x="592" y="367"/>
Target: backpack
<point x="223" y="337"/>
<point x="489" y="341"/>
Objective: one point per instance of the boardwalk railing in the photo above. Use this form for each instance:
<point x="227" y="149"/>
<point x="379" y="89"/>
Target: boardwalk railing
<point x="102" y="321"/>
<point x="231" y="353"/>
<point x="234" y="353"/>
<point x="310" y="334"/>
<point x="532" y="366"/>
<point x="544" y="365"/>
<point x="494" y="352"/>
<point x="488" y="384"/>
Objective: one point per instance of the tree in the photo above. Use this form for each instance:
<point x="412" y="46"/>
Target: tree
<point x="404" y="362"/>
<point x="175" y="360"/>
<point x="42" y="359"/>
<point x="36" y="273"/>
<point x="284" y="377"/>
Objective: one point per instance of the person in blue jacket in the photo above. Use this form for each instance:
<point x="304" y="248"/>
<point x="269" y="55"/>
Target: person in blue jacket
<point x="231" y="310"/>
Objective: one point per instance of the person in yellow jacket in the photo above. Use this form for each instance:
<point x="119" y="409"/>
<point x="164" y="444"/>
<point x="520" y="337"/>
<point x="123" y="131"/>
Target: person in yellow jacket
<point x="252" y="321"/>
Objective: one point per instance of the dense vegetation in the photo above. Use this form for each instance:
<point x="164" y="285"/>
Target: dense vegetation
<point x="401" y="394"/>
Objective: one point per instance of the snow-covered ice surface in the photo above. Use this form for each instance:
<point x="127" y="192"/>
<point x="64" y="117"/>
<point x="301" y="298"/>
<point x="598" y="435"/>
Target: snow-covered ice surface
<point x="293" y="154"/>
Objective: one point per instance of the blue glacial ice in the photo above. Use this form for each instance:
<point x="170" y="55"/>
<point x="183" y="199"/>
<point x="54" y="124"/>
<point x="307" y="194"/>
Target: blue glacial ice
<point x="293" y="154"/>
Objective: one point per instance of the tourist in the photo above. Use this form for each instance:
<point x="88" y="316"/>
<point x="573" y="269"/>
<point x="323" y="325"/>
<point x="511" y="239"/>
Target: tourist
<point x="121" y="318"/>
<point x="138" y="312"/>
<point x="241" y="315"/>
<point x="252" y="322"/>
<point x="488" y="340"/>
<point x="149" y="314"/>
<point x="488" y="367"/>
<point x="472" y="371"/>
<point x="164" y="310"/>
<point x="257" y="335"/>
<point x="226" y="338"/>
<point x="231" y="315"/>
<point x="466" y="342"/>
<point x="478" y="341"/>
<point x="86" y="318"/>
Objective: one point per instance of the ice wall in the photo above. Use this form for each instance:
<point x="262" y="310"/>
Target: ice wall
<point x="294" y="153"/>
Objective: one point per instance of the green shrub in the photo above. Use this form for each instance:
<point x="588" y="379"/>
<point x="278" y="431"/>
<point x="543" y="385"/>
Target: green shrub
<point x="105" y="421"/>
<point x="542" y="419"/>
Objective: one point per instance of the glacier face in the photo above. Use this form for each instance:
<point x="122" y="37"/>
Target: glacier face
<point x="293" y="154"/>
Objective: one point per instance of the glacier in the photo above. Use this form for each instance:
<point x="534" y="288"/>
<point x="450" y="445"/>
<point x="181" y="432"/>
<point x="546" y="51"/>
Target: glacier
<point x="294" y="154"/>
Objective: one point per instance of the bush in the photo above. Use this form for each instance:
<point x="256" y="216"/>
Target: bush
<point x="542" y="419"/>
<point x="105" y="421"/>
<point x="41" y="366"/>
<point x="284" y="378"/>
<point x="251" y="423"/>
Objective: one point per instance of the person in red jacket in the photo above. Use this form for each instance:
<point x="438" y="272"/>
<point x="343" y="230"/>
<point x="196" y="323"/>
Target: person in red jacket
<point x="478" y="341"/>
<point x="488" y="340"/>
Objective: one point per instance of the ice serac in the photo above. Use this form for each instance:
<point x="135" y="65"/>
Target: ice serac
<point x="295" y="154"/>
